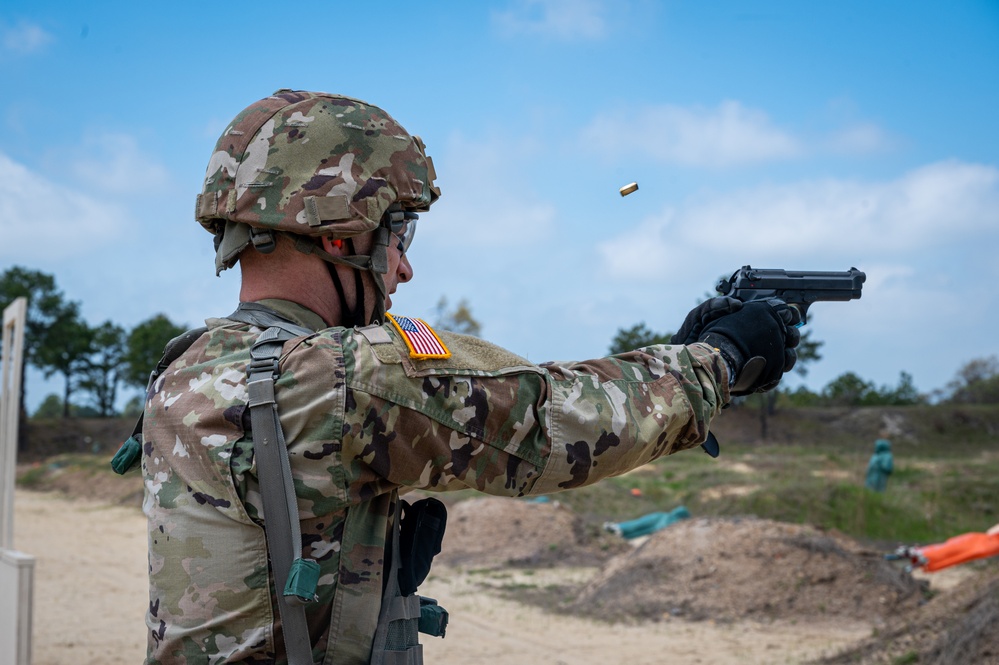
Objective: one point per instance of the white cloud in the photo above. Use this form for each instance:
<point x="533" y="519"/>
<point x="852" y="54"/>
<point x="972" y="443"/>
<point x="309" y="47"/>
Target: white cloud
<point x="694" y="136"/>
<point x="930" y="208"/>
<point x="24" y="38"/>
<point x="114" y="163"/>
<point x="859" y="138"/>
<point x="730" y="134"/>
<point x="42" y="219"/>
<point x="559" y="19"/>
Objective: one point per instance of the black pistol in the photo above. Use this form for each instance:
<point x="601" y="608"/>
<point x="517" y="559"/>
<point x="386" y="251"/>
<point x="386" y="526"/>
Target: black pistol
<point x="798" y="288"/>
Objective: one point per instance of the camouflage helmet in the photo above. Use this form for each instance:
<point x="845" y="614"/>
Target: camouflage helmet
<point x="310" y="164"/>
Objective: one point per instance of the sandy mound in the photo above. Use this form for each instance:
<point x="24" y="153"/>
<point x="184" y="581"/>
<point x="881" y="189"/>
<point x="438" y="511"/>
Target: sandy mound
<point x="957" y="628"/>
<point x="723" y="569"/>
<point x="729" y="569"/>
<point x="494" y="532"/>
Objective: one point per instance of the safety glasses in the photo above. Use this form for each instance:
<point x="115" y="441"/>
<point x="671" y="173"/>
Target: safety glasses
<point x="402" y="224"/>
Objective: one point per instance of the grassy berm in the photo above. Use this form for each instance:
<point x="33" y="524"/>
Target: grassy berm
<point x="809" y="470"/>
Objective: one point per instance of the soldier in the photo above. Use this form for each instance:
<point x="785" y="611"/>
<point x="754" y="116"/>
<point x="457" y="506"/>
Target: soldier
<point x="880" y="466"/>
<point x="316" y="197"/>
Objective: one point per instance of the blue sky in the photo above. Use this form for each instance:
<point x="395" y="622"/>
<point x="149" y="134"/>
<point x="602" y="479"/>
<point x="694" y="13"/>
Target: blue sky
<point x="779" y="134"/>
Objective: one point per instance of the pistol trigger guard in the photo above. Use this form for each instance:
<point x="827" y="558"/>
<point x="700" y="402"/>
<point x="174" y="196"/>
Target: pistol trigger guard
<point x="802" y="313"/>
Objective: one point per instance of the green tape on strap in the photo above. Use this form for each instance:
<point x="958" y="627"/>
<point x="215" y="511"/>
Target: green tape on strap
<point x="303" y="578"/>
<point x="127" y="456"/>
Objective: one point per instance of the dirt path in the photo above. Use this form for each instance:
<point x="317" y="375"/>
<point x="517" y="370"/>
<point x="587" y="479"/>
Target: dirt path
<point x="90" y="599"/>
<point x="90" y="579"/>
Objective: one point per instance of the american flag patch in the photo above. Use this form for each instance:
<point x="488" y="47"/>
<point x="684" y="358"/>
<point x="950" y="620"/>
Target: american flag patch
<point x="422" y="341"/>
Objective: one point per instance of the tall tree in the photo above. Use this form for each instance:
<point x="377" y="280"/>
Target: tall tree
<point x="51" y="407"/>
<point x="66" y="350"/>
<point x="102" y="370"/>
<point x="976" y="382"/>
<point x="458" y="320"/>
<point x="807" y="352"/>
<point x="905" y="393"/>
<point x="635" y="337"/>
<point x="144" y="347"/>
<point x="48" y="315"/>
<point x="848" y="389"/>
<point x="46" y="304"/>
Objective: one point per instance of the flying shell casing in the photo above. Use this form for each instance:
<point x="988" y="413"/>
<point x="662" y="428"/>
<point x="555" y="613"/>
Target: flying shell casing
<point x="629" y="188"/>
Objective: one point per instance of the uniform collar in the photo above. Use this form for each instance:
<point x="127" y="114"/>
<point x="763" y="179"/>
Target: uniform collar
<point x="292" y="311"/>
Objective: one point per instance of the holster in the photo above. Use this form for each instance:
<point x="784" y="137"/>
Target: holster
<point x="416" y="538"/>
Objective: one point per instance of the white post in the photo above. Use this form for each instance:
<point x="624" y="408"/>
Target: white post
<point x="10" y="397"/>
<point x="17" y="574"/>
<point x="16" y="570"/>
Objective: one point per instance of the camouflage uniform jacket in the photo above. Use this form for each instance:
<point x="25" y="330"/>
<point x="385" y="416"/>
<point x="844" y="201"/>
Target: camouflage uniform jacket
<point x="362" y="420"/>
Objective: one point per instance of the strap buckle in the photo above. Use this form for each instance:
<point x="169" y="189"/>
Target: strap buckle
<point x="263" y="240"/>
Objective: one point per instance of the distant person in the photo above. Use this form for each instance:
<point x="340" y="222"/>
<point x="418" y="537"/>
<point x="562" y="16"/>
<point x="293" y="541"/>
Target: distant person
<point x="316" y="197"/>
<point x="957" y="550"/>
<point x="880" y="467"/>
<point x="647" y="524"/>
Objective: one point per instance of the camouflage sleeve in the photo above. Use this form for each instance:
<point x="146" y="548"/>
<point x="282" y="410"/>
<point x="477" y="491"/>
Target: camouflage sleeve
<point x="489" y="420"/>
<point x="614" y="414"/>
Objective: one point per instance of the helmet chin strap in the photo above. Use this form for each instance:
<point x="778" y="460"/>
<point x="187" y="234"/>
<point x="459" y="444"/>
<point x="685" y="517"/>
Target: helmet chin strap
<point x="376" y="265"/>
<point x="348" y="318"/>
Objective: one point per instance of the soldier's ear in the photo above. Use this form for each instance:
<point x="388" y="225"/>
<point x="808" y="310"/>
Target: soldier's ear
<point x="334" y="247"/>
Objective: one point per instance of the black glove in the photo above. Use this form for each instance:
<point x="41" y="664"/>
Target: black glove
<point x="757" y="341"/>
<point x="703" y="314"/>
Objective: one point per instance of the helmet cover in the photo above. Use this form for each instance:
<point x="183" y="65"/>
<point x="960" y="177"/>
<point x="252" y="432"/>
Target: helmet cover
<point x="311" y="164"/>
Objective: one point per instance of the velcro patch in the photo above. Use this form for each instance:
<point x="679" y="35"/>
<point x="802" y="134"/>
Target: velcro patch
<point x="421" y="339"/>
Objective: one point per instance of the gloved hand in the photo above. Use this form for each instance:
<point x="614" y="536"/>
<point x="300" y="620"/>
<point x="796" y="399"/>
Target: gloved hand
<point x="703" y="314"/>
<point x="757" y="341"/>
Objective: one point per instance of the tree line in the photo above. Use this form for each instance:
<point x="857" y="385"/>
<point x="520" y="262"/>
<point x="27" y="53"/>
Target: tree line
<point x="93" y="361"/>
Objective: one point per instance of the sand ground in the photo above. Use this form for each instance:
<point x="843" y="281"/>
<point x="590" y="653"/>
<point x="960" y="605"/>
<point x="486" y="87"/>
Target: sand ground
<point x="90" y="599"/>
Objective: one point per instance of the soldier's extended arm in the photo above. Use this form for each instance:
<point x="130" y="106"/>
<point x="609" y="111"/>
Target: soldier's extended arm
<point x="502" y="425"/>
